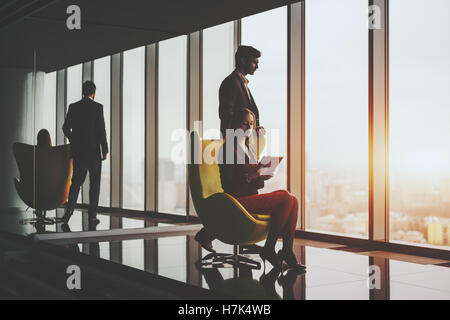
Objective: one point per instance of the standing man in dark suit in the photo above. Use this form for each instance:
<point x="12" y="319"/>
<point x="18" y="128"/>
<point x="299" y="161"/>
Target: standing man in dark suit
<point x="234" y="92"/>
<point x="85" y="128"/>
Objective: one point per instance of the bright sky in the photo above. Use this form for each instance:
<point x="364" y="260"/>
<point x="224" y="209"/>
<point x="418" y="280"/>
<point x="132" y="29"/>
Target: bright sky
<point x="337" y="84"/>
<point x="420" y="87"/>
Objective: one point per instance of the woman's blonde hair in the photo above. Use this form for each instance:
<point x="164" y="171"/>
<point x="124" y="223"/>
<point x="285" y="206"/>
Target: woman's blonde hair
<point x="238" y="115"/>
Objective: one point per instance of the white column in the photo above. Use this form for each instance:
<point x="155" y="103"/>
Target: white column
<point x="296" y="107"/>
<point x="116" y="130"/>
<point x="151" y="127"/>
<point x="378" y="123"/>
<point x="88" y="70"/>
<point x="194" y="103"/>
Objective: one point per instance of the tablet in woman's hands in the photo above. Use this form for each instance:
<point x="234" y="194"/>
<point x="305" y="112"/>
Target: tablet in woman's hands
<point x="268" y="160"/>
<point x="268" y="165"/>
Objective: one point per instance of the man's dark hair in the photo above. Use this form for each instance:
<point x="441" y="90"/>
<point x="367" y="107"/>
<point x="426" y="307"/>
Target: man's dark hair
<point x="245" y="52"/>
<point x="88" y="88"/>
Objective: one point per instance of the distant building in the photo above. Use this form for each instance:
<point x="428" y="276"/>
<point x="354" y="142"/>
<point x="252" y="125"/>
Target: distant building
<point x="413" y="236"/>
<point x="166" y="170"/>
<point x="314" y="214"/>
<point x="435" y="233"/>
<point x="445" y="190"/>
<point x="167" y="196"/>
<point x="335" y="192"/>
<point x="448" y="234"/>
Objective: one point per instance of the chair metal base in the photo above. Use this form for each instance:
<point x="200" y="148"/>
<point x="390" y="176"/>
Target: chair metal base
<point x="228" y="260"/>
<point x="252" y="249"/>
<point x="40" y="219"/>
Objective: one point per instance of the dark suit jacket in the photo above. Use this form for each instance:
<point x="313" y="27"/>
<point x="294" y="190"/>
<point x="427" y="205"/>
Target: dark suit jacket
<point x="233" y="176"/>
<point x="232" y="96"/>
<point x="85" y="128"/>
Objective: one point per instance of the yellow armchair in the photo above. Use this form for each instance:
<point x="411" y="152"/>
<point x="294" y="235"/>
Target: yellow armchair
<point x="45" y="175"/>
<point x="221" y="214"/>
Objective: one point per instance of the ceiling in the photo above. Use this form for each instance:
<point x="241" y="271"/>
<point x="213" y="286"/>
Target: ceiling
<point x="107" y="26"/>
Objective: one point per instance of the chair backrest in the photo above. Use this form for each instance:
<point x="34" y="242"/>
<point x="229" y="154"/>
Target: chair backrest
<point x="45" y="174"/>
<point x="204" y="173"/>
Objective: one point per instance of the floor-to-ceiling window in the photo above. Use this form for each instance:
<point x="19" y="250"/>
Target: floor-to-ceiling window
<point x="74" y="84"/>
<point x="74" y="92"/>
<point x="102" y="80"/>
<point x="172" y="59"/>
<point x="337" y="116"/>
<point x="172" y="256"/>
<point x="218" y="62"/>
<point x="419" y="112"/>
<point x="133" y="129"/>
<point x="267" y="32"/>
<point x="133" y="250"/>
<point x="45" y="112"/>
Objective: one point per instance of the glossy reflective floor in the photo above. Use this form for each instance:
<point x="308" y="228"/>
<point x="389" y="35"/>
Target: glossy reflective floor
<point x="17" y="221"/>
<point x="333" y="271"/>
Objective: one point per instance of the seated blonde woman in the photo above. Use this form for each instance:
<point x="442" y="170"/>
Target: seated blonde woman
<point x="242" y="179"/>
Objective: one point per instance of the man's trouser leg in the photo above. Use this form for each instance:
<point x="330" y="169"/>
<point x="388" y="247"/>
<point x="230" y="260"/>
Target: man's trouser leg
<point x="78" y="176"/>
<point x="95" y="171"/>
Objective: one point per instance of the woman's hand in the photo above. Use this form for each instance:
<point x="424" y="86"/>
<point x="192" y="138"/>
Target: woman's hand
<point x="256" y="175"/>
<point x="266" y="177"/>
<point x="250" y="176"/>
<point x="260" y="130"/>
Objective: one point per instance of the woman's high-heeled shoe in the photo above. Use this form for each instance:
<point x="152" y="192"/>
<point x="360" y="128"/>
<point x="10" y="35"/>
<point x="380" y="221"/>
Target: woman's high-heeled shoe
<point x="272" y="257"/>
<point x="291" y="260"/>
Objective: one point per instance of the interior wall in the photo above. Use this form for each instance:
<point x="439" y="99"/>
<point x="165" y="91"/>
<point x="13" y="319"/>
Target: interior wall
<point x="16" y="125"/>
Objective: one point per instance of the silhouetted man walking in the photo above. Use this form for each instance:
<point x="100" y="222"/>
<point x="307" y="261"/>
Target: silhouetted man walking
<point x="84" y="126"/>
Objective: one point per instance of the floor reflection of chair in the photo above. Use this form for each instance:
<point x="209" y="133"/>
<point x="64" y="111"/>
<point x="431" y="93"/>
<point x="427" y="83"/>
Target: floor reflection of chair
<point x="242" y="285"/>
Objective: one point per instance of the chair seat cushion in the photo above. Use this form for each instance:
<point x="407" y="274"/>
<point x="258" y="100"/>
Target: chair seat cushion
<point x="263" y="217"/>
